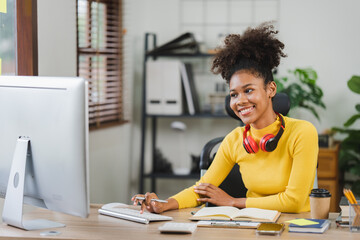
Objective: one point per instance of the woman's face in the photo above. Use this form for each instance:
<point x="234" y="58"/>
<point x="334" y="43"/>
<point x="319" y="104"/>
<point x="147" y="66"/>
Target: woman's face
<point x="251" y="99"/>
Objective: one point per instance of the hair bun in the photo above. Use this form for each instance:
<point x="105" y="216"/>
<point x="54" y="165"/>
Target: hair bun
<point x="257" y="47"/>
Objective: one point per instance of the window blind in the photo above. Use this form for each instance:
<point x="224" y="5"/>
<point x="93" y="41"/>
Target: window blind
<point x="100" y="59"/>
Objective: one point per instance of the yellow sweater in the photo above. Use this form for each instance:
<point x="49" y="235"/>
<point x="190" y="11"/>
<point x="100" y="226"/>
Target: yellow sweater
<point x="279" y="180"/>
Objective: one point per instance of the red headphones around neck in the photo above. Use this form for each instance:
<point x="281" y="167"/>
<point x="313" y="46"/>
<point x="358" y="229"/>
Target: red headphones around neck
<point x="267" y="143"/>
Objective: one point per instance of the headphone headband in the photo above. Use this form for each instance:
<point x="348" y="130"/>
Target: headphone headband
<point x="268" y="143"/>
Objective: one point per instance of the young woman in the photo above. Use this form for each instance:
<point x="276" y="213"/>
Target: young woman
<point x="277" y="155"/>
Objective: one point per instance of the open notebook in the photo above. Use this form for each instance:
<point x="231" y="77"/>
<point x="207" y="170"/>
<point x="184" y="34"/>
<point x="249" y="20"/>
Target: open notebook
<point x="233" y="213"/>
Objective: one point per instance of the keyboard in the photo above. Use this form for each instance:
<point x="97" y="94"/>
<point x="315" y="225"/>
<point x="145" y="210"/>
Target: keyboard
<point x="120" y="210"/>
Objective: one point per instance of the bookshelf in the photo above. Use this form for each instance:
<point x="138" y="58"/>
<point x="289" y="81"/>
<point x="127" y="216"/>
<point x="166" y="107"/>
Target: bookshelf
<point x="153" y="119"/>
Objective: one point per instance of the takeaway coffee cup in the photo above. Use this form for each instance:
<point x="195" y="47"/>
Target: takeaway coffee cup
<point x="320" y="203"/>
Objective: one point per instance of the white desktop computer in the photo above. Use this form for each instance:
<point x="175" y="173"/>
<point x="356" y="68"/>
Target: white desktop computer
<point x="43" y="147"/>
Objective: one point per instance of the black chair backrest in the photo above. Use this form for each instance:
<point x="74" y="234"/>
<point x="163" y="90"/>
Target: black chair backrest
<point x="281" y="104"/>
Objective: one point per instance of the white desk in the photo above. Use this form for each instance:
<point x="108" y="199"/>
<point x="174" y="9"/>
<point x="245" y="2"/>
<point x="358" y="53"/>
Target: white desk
<point x="103" y="227"/>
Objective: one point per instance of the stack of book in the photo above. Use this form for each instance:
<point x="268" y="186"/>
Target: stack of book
<point x="313" y="226"/>
<point x="343" y="219"/>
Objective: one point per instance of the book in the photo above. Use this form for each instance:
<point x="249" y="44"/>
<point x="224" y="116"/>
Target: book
<point x="236" y="214"/>
<point x="321" y="226"/>
<point x="193" y="89"/>
<point x="345" y="211"/>
<point x="342" y="222"/>
<point x="189" y="88"/>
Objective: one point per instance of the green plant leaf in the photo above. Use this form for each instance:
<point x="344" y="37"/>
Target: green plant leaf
<point x="345" y="130"/>
<point x="355" y="187"/>
<point x="279" y="85"/>
<point x="354" y="84"/>
<point x="357" y="107"/>
<point x="303" y="91"/>
<point x="350" y="149"/>
<point x="311" y="109"/>
<point x="346" y="160"/>
<point x="349" y="155"/>
<point x="351" y="120"/>
<point x="355" y="170"/>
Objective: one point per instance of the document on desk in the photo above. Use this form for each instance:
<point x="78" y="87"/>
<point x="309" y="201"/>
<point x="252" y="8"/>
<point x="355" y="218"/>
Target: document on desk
<point x="227" y="224"/>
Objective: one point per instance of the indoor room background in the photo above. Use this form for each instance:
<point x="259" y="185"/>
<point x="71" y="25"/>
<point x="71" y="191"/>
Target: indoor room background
<point x="322" y="34"/>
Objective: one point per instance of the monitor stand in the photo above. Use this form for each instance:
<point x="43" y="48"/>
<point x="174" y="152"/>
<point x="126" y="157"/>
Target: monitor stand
<point x="14" y="199"/>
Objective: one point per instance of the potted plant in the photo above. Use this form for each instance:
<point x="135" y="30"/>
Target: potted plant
<point x="349" y="155"/>
<point x="302" y="89"/>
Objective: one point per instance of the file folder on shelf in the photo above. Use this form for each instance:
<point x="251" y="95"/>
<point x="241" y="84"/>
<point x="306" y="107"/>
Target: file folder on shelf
<point x="184" y="43"/>
<point x="189" y="89"/>
<point x="163" y="87"/>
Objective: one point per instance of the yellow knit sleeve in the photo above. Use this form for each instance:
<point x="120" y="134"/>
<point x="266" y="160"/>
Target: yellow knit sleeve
<point x="303" y="145"/>
<point x="217" y="172"/>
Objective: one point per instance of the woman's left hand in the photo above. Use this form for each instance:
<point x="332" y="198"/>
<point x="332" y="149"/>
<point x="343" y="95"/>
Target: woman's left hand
<point x="214" y="195"/>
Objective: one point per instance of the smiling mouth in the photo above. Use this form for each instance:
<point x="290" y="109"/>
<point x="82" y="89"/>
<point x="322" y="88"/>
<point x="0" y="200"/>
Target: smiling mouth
<point x="245" y="111"/>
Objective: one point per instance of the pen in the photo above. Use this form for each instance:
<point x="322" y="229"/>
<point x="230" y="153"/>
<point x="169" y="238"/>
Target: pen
<point x="153" y="199"/>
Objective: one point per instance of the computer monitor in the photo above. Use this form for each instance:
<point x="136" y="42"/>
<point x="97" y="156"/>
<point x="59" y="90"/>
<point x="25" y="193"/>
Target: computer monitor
<point x="43" y="126"/>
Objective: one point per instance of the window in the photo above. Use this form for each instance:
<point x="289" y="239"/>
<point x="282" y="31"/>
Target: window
<point x="100" y="59"/>
<point x="18" y="37"/>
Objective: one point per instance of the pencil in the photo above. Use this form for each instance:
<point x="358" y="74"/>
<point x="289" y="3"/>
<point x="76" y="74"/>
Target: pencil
<point x="153" y="199"/>
<point x="352" y="200"/>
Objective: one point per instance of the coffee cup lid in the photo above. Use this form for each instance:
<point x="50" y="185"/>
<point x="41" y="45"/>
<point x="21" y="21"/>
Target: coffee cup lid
<point x="320" y="193"/>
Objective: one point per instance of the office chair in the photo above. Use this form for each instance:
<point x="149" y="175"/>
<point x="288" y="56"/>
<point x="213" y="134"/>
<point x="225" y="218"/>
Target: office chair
<point x="281" y="104"/>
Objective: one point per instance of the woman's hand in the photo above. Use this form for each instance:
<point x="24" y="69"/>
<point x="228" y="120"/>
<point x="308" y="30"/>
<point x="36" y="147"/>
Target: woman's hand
<point x="153" y="206"/>
<point x="217" y="196"/>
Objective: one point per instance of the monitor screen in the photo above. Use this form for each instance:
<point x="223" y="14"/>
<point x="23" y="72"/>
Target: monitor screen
<point x="52" y="114"/>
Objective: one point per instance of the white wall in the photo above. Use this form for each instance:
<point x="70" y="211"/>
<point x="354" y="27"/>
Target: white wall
<point x="57" y="37"/>
<point x="109" y="148"/>
<point x="322" y="34"/>
<point x="162" y="17"/>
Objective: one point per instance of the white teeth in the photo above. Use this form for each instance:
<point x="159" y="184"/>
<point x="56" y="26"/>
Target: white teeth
<point x="244" y="111"/>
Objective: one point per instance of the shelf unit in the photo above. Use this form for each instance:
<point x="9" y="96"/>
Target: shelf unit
<point x="154" y="118"/>
<point x="328" y="174"/>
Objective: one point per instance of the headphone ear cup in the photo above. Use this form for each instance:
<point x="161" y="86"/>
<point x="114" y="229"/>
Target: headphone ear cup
<point x="264" y="143"/>
<point x="250" y="145"/>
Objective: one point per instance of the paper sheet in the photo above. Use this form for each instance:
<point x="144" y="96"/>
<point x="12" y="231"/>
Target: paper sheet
<point x="3" y="8"/>
<point x="302" y="222"/>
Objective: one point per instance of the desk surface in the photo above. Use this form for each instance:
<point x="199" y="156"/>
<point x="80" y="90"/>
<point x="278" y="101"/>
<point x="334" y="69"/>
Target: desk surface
<point x="103" y="227"/>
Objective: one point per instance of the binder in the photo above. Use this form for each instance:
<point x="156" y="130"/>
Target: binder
<point x="185" y="43"/>
<point x="154" y="100"/>
<point x="193" y="89"/>
<point x="163" y="87"/>
<point x="189" y="89"/>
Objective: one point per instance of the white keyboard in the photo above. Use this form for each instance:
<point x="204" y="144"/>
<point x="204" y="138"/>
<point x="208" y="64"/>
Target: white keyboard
<point x="113" y="210"/>
<point x="177" y="227"/>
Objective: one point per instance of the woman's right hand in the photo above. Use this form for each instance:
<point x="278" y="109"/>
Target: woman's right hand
<point x="151" y="206"/>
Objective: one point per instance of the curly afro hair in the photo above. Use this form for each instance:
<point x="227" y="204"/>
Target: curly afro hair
<point x="256" y="50"/>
